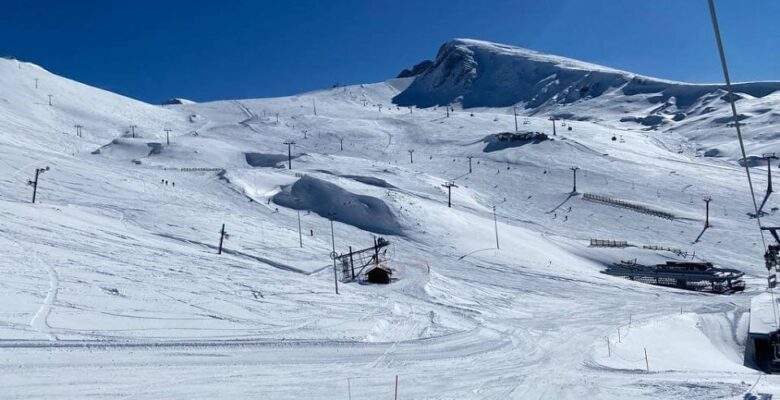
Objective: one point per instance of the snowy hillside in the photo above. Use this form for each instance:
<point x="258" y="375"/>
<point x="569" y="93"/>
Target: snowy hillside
<point x="477" y="74"/>
<point x="112" y="285"/>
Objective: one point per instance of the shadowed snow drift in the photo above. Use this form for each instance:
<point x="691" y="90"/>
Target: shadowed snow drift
<point x="323" y="198"/>
<point x="265" y="159"/>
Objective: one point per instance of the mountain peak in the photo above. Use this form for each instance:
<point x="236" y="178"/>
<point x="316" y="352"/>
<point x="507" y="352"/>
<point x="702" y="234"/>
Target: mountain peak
<point x="476" y="73"/>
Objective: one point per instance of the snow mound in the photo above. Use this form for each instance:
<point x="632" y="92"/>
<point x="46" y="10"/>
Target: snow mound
<point x="176" y="101"/>
<point x="369" y="180"/>
<point x="326" y="199"/>
<point x="126" y="149"/>
<point x="264" y="159"/>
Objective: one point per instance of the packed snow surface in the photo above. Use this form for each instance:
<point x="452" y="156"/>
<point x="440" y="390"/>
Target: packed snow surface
<point x="112" y="285"/>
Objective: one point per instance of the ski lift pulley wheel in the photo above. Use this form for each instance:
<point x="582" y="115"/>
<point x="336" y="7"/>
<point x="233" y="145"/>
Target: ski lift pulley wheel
<point x="333" y="255"/>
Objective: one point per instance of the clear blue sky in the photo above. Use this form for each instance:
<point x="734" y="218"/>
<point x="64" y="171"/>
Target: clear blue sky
<point x="208" y="50"/>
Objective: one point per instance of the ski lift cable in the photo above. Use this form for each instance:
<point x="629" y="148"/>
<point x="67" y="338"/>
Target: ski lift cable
<point x="732" y="101"/>
<point x="734" y="112"/>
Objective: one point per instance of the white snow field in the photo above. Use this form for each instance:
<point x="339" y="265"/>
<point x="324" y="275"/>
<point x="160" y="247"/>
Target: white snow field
<point x="112" y="286"/>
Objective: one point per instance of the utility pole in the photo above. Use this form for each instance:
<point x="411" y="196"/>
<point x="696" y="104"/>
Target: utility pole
<point x="167" y="136"/>
<point x="515" y="112"/>
<point x="707" y="201"/>
<point x="553" y="119"/>
<point x="300" y="235"/>
<point x="769" y="157"/>
<point x="50" y="96"/>
<point x="574" y="170"/>
<point x="469" y="157"/>
<point x="289" y="144"/>
<point x="411" y="157"/>
<point x="36" y="83"/>
<point x="333" y="254"/>
<point x="78" y="130"/>
<point x="34" y="183"/>
<point x="132" y="129"/>
<point x="449" y="186"/>
<point x="495" y="224"/>
<point x="221" y="238"/>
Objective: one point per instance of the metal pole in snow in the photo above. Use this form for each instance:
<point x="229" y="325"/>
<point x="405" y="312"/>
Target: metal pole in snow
<point x="349" y="390"/>
<point x="609" y="351"/>
<point x="515" y="112"/>
<point x="289" y="144"/>
<point x="167" y="136"/>
<point x="469" y="157"/>
<point x="647" y="363"/>
<point x="396" y="388"/>
<point x="495" y="223"/>
<point x="333" y="255"/>
<point x="221" y="238"/>
<point x="574" y="169"/>
<point x="300" y="235"/>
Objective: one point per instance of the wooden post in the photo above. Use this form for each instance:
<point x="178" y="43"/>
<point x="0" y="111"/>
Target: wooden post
<point x="221" y="238"/>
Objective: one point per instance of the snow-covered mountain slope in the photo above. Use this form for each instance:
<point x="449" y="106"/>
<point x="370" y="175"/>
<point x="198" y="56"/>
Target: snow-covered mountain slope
<point x="112" y="285"/>
<point x="474" y="74"/>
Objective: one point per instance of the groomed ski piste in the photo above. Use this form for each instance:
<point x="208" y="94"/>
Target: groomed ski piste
<point x="112" y="286"/>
